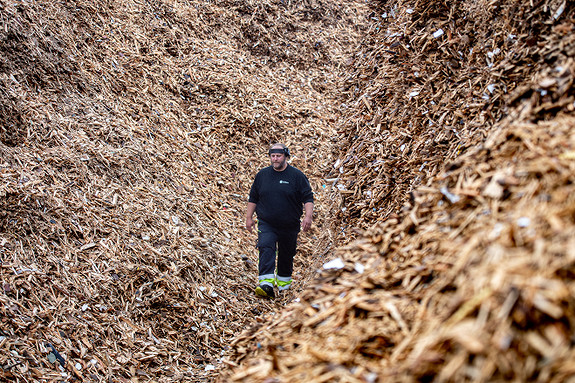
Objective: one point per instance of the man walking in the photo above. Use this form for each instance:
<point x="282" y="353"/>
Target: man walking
<point x="277" y="195"/>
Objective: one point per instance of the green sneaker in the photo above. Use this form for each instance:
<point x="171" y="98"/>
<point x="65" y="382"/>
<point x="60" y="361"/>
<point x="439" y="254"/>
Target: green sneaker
<point x="265" y="291"/>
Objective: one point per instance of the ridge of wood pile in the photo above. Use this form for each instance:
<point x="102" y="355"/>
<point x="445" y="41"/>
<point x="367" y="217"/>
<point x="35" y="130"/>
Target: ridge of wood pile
<point x="130" y="133"/>
<point x="464" y="270"/>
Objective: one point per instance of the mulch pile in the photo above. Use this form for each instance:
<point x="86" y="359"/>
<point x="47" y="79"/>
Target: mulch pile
<point x="130" y="134"/>
<point x="438" y="139"/>
<point x="430" y="82"/>
<point x="455" y="198"/>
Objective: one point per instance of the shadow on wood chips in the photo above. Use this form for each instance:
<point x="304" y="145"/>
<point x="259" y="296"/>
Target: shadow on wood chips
<point x="438" y="138"/>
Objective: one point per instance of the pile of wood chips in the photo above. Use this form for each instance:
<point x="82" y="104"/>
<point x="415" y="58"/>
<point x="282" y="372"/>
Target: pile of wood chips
<point x="130" y="134"/>
<point x="438" y="140"/>
<point x="456" y="180"/>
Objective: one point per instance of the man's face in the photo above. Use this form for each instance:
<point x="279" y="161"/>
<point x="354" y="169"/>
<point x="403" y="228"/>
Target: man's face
<point x="278" y="161"/>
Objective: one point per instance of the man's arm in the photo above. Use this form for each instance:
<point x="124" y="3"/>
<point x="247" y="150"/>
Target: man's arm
<point x="250" y="216"/>
<point x="307" y="220"/>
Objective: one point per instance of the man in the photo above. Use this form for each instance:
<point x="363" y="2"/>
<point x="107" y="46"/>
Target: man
<point x="276" y="196"/>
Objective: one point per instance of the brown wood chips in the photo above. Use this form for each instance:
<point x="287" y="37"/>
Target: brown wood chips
<point x="439" y="140"/>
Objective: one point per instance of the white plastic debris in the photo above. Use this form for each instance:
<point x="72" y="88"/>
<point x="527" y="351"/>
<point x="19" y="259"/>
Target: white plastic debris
<point x="370" y="377"/>
<point x="334" y="264"/>
<point x="559" y="11"/>
<point x="523" y="222"/>
<point x="359" y="268"/>
<point x="451" y="197"/>
<point x="493" y="53"/>
<point x="209" y="367"/>
<point x="438" y="33"/>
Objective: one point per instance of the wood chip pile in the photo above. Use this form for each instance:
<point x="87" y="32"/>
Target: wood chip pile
<point x="130" y="133"/>
<point x="429" y="82"/>
<point x="459" y="166"/>
<point x="438" y="138"/>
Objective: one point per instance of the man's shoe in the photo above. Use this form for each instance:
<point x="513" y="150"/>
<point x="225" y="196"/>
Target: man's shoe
<point x="265" y="291"/>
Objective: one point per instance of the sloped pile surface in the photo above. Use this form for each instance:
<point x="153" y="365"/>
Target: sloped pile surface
<point x="430" y="82"/>
<point x="130" y="133"/>
<point x="471" y="278"/>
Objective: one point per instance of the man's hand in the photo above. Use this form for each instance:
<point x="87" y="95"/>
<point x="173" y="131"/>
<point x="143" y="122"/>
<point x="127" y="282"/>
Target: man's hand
<point x="306" y="223"/>
<point x="308" y="218"/>
<point x="250" y="223"/>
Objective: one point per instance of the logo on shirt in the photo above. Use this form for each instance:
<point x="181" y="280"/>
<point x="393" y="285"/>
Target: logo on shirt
<point x="284" y="182"/>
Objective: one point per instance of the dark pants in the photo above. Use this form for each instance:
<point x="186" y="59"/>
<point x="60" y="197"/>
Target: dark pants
<point x="270" y="241"/>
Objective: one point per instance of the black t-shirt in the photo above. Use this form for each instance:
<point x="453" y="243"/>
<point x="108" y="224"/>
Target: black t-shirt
<point x="279" y="196"/>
